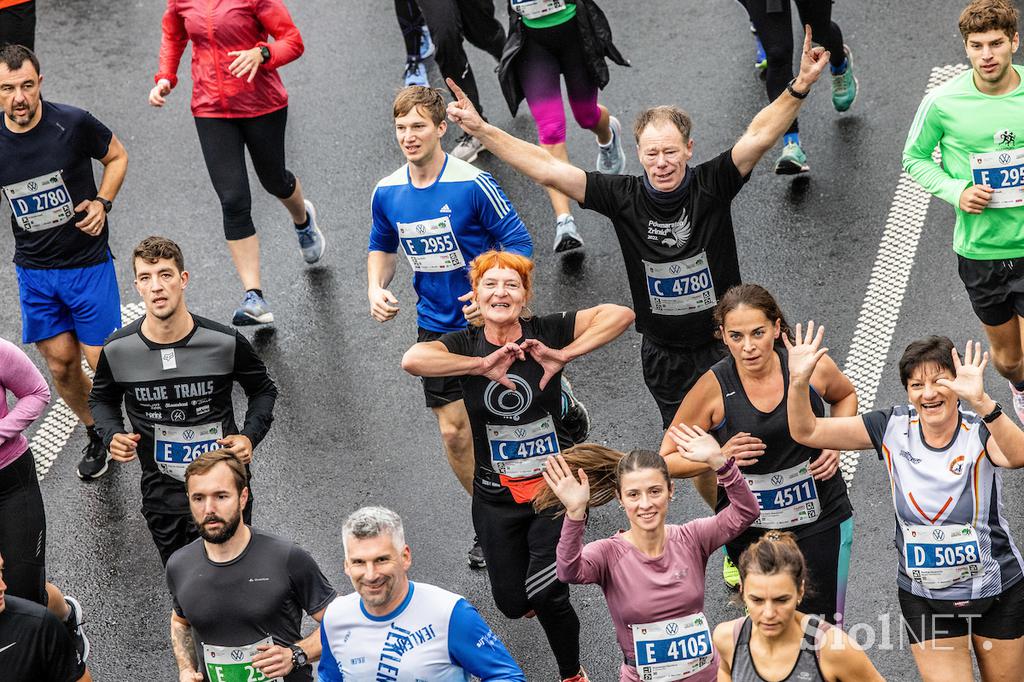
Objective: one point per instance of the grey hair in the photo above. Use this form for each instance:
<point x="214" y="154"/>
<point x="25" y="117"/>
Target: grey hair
<point x="371" y="522"/>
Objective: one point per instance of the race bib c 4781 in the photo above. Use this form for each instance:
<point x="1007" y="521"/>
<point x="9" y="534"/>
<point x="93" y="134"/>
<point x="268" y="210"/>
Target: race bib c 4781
<point x="175" y="447"/>
<point x="520" y="451"/>
<point x="430" y="245"/>
<point x="680" y="287"/>
<point x="1003" y="171"/>
<point x="672" y="649"/>
<point x="40" y="203"/>
<point x="234" y="663"/>
<point x="786" y="498"/>
<point x="535" y="9"/>
<point x="940" y="556"/>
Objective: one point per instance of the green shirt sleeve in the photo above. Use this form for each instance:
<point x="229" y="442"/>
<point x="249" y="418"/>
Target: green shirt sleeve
<point x="925" y="133"/>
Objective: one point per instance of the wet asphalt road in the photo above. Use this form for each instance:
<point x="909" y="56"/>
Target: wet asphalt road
<point x="350" y="426"/>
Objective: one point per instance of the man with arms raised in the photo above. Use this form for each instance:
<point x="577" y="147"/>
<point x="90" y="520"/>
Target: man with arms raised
<point x="174" y="372"/>
<point x="239" y="593"/>
<point x="392" y="628"/>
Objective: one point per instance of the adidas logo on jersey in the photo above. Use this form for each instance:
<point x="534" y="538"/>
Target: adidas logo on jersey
<point x="445" y="209"/>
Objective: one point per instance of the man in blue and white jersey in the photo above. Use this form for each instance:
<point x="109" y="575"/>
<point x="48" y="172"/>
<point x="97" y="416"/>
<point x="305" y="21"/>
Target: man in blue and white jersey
<point x="443" y="213"/>
<point x="392" y="628"/>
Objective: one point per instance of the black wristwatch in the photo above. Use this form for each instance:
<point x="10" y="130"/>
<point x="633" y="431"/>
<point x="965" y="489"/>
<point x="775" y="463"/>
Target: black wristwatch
<point x="107" y="204"/>
<point x="793" y="91"/>
<point x="993" y="415"/>
<point x="299" y="657"/>
<point x="265" y="53"/>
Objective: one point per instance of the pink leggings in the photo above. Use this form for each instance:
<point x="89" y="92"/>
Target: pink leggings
<point x="546" y="55"/>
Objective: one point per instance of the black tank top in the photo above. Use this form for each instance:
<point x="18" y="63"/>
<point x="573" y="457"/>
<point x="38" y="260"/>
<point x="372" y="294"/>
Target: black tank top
<point x="781" y="451"/>
<point x="806" y="668"/>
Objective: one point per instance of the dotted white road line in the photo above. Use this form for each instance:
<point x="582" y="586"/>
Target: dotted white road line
<point x="59" y="422"/>
<point x="872" y="338"/>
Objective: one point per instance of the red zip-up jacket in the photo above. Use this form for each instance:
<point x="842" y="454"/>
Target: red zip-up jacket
<point x="215" y="28"/>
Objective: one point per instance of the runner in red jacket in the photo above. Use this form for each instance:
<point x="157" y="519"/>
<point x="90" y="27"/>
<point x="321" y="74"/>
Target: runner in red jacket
<point x="239" y="102"/>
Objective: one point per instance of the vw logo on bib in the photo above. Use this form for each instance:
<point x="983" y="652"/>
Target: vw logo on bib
<point x="671" y="628"/>
<point x="675" y="269"/>
<point x="938" y="534"/>
<point x="237" y="654"/>
<point x="1004" y="158"/>
<point x="32" y="185"/>
<point x="507" y="403"/>
<point x="777" y="480"/>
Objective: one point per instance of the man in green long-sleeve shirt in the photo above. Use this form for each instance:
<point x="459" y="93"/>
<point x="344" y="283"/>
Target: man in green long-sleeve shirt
<point x="977" y="120"/>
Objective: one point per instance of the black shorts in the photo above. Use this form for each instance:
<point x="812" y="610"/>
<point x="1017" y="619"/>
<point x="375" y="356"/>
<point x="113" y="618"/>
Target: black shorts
<point x="999" y="617"/>
<point x="995" y="288"/>
<point x="18" y="25"/>
<point x="670" y="372"/>
<point x="23" y="530"/>
<point x="438" y="391"/>
<point x="173" y="530"/>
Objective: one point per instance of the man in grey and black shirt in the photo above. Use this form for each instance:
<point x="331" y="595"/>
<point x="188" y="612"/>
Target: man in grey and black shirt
<point x="174" y="373"/>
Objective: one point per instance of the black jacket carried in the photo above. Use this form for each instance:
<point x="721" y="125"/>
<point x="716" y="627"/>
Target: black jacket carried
<point x="596" y="39"/>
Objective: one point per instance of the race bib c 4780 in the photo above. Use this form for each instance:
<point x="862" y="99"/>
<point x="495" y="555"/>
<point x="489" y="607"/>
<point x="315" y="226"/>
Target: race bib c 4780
<point x="175" y="447"/>
<point x="786" y="498"/>
<point x="672" y="649"/>
<point x="535" y="9"/>
<point x="40" y="203"/>
<point x="520" y="451"/>
<point x="430" y="245"/>
<point x="939" y="556"/>
<point x="234" y="663"/>
<point x="1003" y="171"/>
<point x="680" y="287"/>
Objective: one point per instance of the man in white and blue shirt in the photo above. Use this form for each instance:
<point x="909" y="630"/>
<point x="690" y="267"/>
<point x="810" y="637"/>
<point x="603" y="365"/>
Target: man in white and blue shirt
<point x="392" y="628"/>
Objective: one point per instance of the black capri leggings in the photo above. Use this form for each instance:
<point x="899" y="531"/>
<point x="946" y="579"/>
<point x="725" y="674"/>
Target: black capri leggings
<point x="18" y="25"/>
<point x="23" y="530"/>
<point x="773" y="20"/>
<point x="519" y="546"/>
<point x="224" y="141"/>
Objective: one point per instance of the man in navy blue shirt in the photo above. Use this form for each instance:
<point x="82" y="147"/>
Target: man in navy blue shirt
<point x="68" y="290"/>
<point x="442" y="212"/>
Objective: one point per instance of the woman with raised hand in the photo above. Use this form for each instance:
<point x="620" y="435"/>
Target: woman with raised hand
<point x="741" y="400"/>
<point x="521" y="413"/>
<point x="775" y="641"/>
<point x="959" y="572"/>
<point x="652" y="575"/>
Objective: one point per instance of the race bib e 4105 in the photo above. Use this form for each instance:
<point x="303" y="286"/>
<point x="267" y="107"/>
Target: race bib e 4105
<point x="672" y="649"/>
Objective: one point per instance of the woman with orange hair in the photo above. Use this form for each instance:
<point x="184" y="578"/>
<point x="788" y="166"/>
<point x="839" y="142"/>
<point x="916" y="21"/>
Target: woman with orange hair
<point x="511" y="367"/>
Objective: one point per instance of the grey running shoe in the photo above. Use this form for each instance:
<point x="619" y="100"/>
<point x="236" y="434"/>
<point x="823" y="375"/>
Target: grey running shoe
<point x="254" y="310"/>
<point x="611" y="159"/>
<point x="95" y="460"/>
<point x="575" y="417"/>
<point x="476" y="555"/>
<point x="311" y="239"/>
<point x="74" y="625"/>
<point x="467" y="148"/>
<point x="567" y="237"/>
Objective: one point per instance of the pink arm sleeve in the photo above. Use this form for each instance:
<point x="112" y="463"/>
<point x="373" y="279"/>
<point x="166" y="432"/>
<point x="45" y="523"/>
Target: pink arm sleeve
<point x="287" y="45"/>
<point x="576" y="564"/>
<point x="21" y="378"/>
<point x="715" y="531"/>
<point x="172" y="44"/>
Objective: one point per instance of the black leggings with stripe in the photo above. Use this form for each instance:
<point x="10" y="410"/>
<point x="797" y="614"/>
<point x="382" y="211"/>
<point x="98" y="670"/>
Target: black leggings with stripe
<point x="519" y="546"/>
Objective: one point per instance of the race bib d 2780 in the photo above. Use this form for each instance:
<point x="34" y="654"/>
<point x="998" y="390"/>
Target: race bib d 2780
<point x="40" y="203"/>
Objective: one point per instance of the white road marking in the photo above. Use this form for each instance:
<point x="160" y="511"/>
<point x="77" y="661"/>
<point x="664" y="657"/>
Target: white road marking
<point x="890" y="274"/>
<point x="59" y="422"/>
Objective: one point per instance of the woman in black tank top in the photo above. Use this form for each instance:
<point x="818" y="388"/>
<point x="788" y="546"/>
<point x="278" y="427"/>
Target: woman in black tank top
<point x="742" y="401"/>
<point x="775" y="642"/>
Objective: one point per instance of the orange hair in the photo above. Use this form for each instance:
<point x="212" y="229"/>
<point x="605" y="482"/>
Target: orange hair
<point x="505" y="260"/>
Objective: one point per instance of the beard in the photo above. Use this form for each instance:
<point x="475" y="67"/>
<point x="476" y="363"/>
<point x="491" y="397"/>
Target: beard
<point x="24" y="118"/>
<point x="227" y="530"/>
<point x="382" y="597"/>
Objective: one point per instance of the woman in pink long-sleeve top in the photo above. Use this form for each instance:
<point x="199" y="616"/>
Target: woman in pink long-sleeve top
<point x="22" y="518"/>
<point x="652" y="575"/>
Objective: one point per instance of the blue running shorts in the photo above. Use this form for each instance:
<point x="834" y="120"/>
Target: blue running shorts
<point x="85" y="301"/>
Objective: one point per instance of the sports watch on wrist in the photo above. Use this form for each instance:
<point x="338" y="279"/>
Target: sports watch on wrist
<point x="108" y="205"/>
<point x="793" y="91"/>
<point x="299" y="657"/>
<point x="993" y="415"/>
<point x="265" y="53"/>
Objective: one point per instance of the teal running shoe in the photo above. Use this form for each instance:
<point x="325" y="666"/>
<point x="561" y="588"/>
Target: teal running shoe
<point x="844" y="85"/>
<point x="793" y="161"/>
